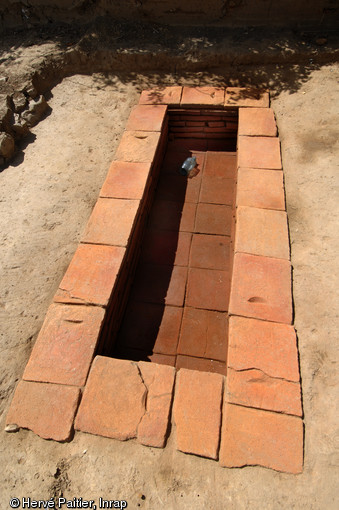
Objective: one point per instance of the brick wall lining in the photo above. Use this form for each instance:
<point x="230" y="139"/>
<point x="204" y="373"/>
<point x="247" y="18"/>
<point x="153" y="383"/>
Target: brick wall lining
<point x="252" y="417"/>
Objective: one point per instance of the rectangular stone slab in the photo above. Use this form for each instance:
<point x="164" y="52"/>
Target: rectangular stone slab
<point x="197" y="412"/>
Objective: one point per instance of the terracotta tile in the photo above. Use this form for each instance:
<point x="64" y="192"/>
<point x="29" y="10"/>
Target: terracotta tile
<point x="159" y="380"/>
<point x="259" y="152"/>
<point x="166" y="247"/>
<point x="262" y="232"/>
<point x="261" y="288"/>
<point x="220" y="164"/>
<point x="254" y="437"/>
<point x="208" y="289"/>
<point x="146" y="118"/>
<point x="91" y="275"/>
<point x="204" y="334"/>
<point x="46" y="409"/>
<point x="267" y="346"/>
<point x="160" y="284"/>
<point x="138" y="146"/>
<point x="257" y="122"/>
<point x="203" y="96"/>
<point x="113" y="402"/>
<point x="247" y="97"/>
<point x="260" y="188"/>
<point x="210" y="252"/>
<point x="161" y="95"/>
<point x="200" y="364"/>
<point x="111" y="222"/>
<point x="162" y="359"/>
<point x="217" y="190"/>
<point x="66" y="344"/>
<point x="126" y="180"/>
<point x="167" y="215"/>
<point x="213" y="219"/>
<point x="151" y="327"/>
<point x="179" y="188"/>
<point x="137" y="355"/>
<point x="253" y="388"/>
<point x="197" y="412"/>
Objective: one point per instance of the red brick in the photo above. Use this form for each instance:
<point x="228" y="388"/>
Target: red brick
<point x="216" y="124"/>
<point x="260" y="188"/>
<point x="151" y="327"/>
<point x="168" y="215"/>
<point x="261" y="288"/>
<point x="267" y="346"/>
<point x="204" y="334"/>
<point x="200" y="364"/>
<point x="253" y="437"/>
<point x="146" y="118"/>
<point x="159" y="380"/>
<point x="220" y="164"/>
<point x="246" y="97"/>
<point x="253" y="388"/>
<point x="257" y="122"/>
<point x="127" y="353"/>
<point x="217" y="190"/>
<point x="166" y="247"/>
<point x="126" y="180"/>
<point x="197" y="412"/>
<point x="195" y="123"/>
<point x="213" y="219"/>
<point x="208" y="289"/>
<point x="113" y="402"/>
<point x="66" y="344"/>
<point x="160" y="284"/>
<point x="262" y="232"/>
<point x="178" y="188"/>
<point x="91" y="275"/>
<point x="111" y="222"/>
<point x="203" y="96"/>
<point x="259" y="152"/>
<point x="46" y="409"/>
<point x="161" y="95"/>
<point x="210" y="252"/>
<point x="162" y="359"/>
<point x="138" y="146"/>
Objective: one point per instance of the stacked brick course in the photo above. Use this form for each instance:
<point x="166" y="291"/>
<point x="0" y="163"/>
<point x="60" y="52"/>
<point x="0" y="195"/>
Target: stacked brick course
<point x="253" y="416"/>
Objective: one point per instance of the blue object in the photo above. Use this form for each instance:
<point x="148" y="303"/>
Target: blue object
<point x="188" y="165"/>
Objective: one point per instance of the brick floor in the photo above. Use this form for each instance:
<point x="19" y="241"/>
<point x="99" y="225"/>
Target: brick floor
<point x="161" y="95"/>
<point x="210" y="252"/>
<point x="146" y="118"/>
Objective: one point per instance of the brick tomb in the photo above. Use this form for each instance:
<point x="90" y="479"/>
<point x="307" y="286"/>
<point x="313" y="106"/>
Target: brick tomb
<point x="177" y="304"/>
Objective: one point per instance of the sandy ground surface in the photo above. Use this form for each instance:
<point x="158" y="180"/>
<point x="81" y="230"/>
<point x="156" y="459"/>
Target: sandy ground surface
<point x="46" y="197"/>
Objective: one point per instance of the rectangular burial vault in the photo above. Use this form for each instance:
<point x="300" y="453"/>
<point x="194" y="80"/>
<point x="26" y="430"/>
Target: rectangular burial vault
<point x="177" y="303"/>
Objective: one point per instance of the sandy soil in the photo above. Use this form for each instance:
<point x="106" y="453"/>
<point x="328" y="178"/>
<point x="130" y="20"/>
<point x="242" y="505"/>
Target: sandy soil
<point x="46" y="198"/>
